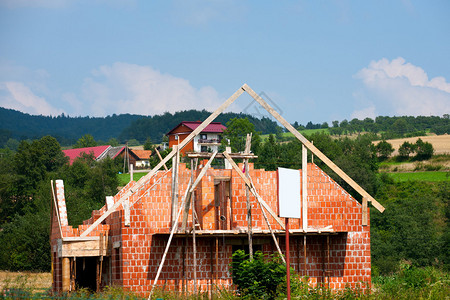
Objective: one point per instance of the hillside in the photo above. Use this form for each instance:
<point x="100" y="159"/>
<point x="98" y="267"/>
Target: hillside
<point x="66" y="129"/>
<point x="18" y="125"/>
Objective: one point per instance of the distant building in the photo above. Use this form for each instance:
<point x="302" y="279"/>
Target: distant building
<point x="99" y="152"/>
<point x="141" y="158"/>
<point x="138" y="158"/>
<point x="208" y="140"/>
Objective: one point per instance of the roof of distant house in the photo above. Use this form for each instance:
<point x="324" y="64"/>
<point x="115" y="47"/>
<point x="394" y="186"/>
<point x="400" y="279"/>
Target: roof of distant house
<point x="213" y="127"/>
<point x="113" y="152"/>
<point x="142" y="154"/>
<point x="97" y="151"/>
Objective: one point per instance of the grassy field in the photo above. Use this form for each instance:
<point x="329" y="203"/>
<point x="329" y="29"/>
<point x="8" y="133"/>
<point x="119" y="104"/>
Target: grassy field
<point x="38" y="282"/>
<point x="125" y="178"/>
<point x="413" y="283"/>
<point x="441" y="143"/>
<point x="421" y="176"/>
<point x="304" y="132"/>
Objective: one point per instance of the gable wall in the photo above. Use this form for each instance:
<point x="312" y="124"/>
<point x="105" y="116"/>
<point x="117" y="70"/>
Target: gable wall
<point x="140" y="246"/>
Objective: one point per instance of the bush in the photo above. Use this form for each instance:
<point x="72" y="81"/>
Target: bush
<point x="257" y="278"/>
<point x="424" y="150"/>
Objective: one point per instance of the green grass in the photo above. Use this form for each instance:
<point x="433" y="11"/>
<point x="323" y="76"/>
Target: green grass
<point x="125" y="178"/>
<point x="421" y="176"/>
<point x="304" y="132"/>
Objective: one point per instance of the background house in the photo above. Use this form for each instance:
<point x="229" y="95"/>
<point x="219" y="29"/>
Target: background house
<point x="208" y="140"/>
<point x="99" y="152"/>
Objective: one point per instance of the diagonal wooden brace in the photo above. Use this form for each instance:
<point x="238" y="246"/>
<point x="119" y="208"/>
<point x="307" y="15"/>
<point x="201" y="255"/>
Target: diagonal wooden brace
<point x="253" y="189"/>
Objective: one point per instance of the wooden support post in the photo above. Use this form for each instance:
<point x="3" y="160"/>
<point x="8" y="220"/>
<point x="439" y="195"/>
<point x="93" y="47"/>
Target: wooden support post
<point x="253" y="189"/>
<point x="304" y="256"/>
<point x="247" y="194"/>
<point x="101" y="262"/>
<point x="194" y="250"/>
<point x="365" y="220"/>
<point x="160" y="158"/>
<point x="304" y="187"/>
<point x="188" y="201"/>
<point x="185" y="244"/>
<point x="65" y="274"/>
<point x="175" y="161"/>
<point x="328" y="261"/>
<point x="216" y="269"/>
<point x="249" y="215"/>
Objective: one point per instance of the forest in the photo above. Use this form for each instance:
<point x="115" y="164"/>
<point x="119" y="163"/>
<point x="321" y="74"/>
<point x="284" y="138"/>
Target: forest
<point x="16" y="126"/>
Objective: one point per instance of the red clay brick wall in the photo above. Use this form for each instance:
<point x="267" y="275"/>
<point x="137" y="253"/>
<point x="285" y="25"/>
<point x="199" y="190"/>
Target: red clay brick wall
<point x="135" y="262"/>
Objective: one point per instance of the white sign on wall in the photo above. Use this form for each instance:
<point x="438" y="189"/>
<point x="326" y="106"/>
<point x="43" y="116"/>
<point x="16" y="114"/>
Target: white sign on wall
<point x="289" y="198"/>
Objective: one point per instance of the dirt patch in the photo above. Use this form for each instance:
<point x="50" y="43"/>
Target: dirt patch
<point x="25" y="280"/>
<point x="441" y="143"/>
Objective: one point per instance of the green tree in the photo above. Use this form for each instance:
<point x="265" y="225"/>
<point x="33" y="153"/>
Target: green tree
<point x="400" y="127"/>
<point x="12" y="144"/>
<point x="406" y="149"/>
<point x="148" y="145"/>
<point x="133" y="142"/>
<point x="85" y="141"/>
<point x="384" y="149"/>
<point x="113" y="142"/>
<point x="424" y="150"/>
<point x="269" y="154"/>
<point x="412" y="226"/>
<point x="236" y="134"/>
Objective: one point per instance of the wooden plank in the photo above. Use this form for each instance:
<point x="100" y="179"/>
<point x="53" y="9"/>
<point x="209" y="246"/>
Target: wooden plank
<point x="364" y="212"/>
<point x="85" y="248"/>
<point x="220" y="155"/>
<point x="312" y="148"/>
<point x="160" y="158"/>
<point x="202" y="172"/>
<point x="253" y="189"/>
<point x="188" y="202"/>
<point x="175" y="169"/>
<point x="248" y="143"/>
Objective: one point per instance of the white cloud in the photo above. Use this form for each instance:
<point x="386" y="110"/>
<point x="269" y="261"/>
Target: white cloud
<point x="129" y="88"/>
<point x="368" y="112"/>
<point x="18" y="96"/>
<point x="400" y="88"/>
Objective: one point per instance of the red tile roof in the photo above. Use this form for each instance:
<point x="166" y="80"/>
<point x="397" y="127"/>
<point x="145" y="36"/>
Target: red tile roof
<point x="142" y="154"/>
<point x="212" y="127"/>
<point x="74" y="153"/>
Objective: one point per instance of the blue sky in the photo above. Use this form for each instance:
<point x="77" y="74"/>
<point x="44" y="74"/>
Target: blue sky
<point x="314" y="60"/>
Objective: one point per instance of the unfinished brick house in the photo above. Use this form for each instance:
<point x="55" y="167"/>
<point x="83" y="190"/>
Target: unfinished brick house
<point x="176" y="229"/>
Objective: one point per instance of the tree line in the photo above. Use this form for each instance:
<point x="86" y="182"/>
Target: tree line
<point x="388" y="127"/>
<point x="414" y="227"/>
<point x="16" y="126"/>
<point x="25" y="198"/>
